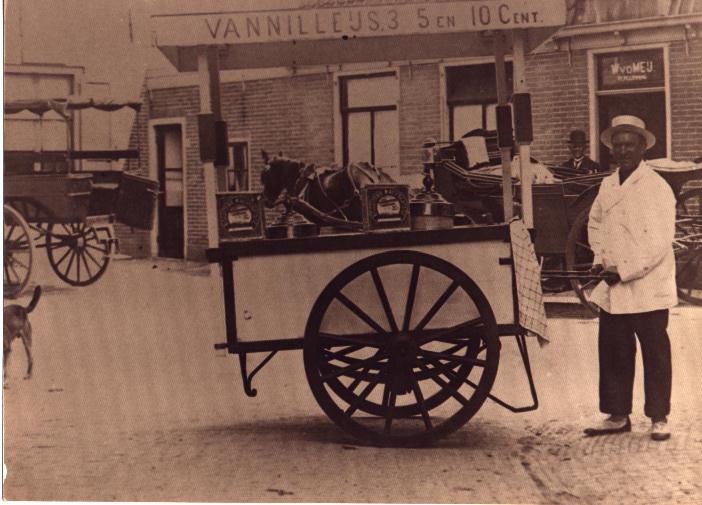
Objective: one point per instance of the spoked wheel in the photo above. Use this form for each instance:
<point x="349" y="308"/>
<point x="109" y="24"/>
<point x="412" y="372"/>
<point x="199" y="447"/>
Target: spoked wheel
<point x="688" y="246"/>
<point x="18" y="253"/>
<point x="579" y="257"/>
<point x="77" y="252"/>
<point x="401" y="348"/>
<point x="37" y="216"/>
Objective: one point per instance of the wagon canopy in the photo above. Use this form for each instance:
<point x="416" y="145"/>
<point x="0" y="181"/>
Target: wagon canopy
<point x="40" y="106"/>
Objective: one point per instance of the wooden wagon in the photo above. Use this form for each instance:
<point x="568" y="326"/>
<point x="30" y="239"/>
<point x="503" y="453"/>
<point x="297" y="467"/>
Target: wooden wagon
<point x="69" y="212"/>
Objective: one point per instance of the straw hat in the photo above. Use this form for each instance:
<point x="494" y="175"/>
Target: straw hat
<point x="627" y="124"/>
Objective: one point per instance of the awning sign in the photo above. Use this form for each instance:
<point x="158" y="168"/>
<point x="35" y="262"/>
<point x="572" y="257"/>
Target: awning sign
<point x="356" y="19"/>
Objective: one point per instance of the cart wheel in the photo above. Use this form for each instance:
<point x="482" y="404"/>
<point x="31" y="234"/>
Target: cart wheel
<point x="18" y="252"/>
<point x="579" y="257"/>
<point x="76" y="252"/>
<point x="401" y="382"/>
<point x="688" y="246"/>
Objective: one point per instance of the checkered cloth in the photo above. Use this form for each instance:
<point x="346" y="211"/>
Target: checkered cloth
<point x="532" y="314"/>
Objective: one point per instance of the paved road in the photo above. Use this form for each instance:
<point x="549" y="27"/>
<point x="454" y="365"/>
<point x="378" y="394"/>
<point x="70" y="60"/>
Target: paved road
<point x="130" y="402"/>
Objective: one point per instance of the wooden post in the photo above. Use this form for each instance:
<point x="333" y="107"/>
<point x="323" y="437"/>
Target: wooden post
<point x="502" y="99"/>
<point x="525" y="170"/>
<point x="208" y="73"/>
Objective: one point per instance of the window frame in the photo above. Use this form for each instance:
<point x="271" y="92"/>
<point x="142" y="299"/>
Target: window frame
<point x="446" y="112"/>
<point x="342" y="110"/>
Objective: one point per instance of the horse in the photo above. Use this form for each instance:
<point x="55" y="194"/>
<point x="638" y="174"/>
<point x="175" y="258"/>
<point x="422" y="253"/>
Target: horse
<point x="333" y="192"/>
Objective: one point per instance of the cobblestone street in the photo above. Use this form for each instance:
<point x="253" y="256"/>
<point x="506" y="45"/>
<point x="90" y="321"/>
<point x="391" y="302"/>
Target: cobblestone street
<point x="130" y="402"/>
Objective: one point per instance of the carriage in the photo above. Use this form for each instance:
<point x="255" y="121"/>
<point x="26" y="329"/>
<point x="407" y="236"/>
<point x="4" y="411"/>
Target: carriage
<point x="49" y="203"/>
<point x="561" y="207"/>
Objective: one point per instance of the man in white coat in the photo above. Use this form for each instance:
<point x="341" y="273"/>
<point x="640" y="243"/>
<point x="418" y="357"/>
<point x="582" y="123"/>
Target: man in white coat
<point x="631" y="231"/>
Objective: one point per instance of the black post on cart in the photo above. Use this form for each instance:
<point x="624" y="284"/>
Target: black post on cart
<point x="400" y="329"/>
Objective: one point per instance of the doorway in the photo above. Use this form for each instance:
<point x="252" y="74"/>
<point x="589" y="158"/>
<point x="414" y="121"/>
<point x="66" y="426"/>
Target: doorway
<point x="169" y="160"/>
<point x="648" y="106"/>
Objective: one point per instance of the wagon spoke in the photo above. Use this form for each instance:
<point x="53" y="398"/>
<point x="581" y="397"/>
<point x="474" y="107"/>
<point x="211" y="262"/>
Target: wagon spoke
<point x="410" y="297"/>
<point x="422" y="404"/>
<point x="70" y="261"/>
<point x="89" y="255"/>
<point x="359" y="313"/>
<point x="384" y="299"/>
<point x="61" y="260"/>
<point x="449" y="332"/>
<point x="584" y="245"/>
<point x="389" y="397"/>
<point x="85" y="255"/>
<point x="437" y="306"/>
<point x="348" y="340"/>
<point x="454" y="358"/>
<point x="94" y="247"/>
<point x="444" y="385"/>
<point x="357" y="401"/>
<point x="344" y="370"/>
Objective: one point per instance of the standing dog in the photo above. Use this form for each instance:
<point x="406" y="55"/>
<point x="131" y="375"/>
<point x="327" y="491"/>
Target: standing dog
<point x="16" y="324"/>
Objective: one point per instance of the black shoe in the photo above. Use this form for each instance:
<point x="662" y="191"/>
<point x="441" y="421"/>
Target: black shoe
<point x="660" y="431"/>
<point x="608" y="426"/>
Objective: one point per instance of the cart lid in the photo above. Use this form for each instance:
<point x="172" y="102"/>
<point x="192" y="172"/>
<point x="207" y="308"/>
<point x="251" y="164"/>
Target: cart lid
<point x="40" y="106"/>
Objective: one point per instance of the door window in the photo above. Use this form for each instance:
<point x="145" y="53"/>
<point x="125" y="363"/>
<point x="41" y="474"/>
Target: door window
<point x="370" y="120"/>
<point x="173" y="168"/>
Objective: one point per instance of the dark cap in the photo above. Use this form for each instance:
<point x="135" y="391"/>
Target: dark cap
<point x="577" y="137"/>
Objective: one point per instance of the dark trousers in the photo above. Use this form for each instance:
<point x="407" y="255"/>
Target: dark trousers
<point x="617" y="353"/>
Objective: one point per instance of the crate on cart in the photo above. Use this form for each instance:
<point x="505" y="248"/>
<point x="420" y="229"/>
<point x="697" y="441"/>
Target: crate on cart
<point x="135" y="201"/>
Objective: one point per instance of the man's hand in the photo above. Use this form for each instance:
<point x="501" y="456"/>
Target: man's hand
<point x="596" y="269"/>
<point x="612" y="278"/>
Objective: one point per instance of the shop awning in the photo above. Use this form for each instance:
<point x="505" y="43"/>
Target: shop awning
<point x="325" y="33"/>
<point x="40" y="106"/>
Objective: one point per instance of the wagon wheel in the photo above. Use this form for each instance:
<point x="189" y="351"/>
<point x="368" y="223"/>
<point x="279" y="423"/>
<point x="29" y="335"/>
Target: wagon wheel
<point x="76" y="252"/>
<point x="579" y="256"/>
<point x="18" y="252"/>
<point x="401" y="382"/>
<point x="688" y="246"/>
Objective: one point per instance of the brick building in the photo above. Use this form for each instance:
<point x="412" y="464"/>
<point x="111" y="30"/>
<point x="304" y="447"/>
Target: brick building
<point x="642" y="58"/>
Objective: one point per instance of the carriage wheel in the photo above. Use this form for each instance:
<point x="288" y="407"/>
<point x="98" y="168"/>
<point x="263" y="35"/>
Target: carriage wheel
<point x="409" y="381"/>
<point x="77" y="253"/>
<point x="688" y="246"/>
<point x="579" y="256"/>
<point x="18" y="252"/>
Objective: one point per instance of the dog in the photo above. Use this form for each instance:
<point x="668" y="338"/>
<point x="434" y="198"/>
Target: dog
<point x="16" y="324"/>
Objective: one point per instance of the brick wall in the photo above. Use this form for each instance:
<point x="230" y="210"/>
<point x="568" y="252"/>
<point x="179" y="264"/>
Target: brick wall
<point x="420" y="113"/>
<point x="559" y="99"/>
<point x="686" y="99"/>
<point x="294" y="115"/>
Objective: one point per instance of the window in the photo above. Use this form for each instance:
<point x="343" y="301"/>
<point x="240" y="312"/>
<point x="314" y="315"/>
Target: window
<point x="632" y="83"/>
<point x="370" y="120"/>
<point x="235" y="177"/>
<point x="471" y="97"/>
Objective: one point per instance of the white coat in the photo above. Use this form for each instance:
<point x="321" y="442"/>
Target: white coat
<point x="632" y="228"/>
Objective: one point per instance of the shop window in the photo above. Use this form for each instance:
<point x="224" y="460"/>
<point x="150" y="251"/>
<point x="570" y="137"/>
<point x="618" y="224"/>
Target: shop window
<point x="471" y="97"/>
<point x="632" y="82"/>
<point x="370" y="120"/>
<point x="235" y="176"/>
